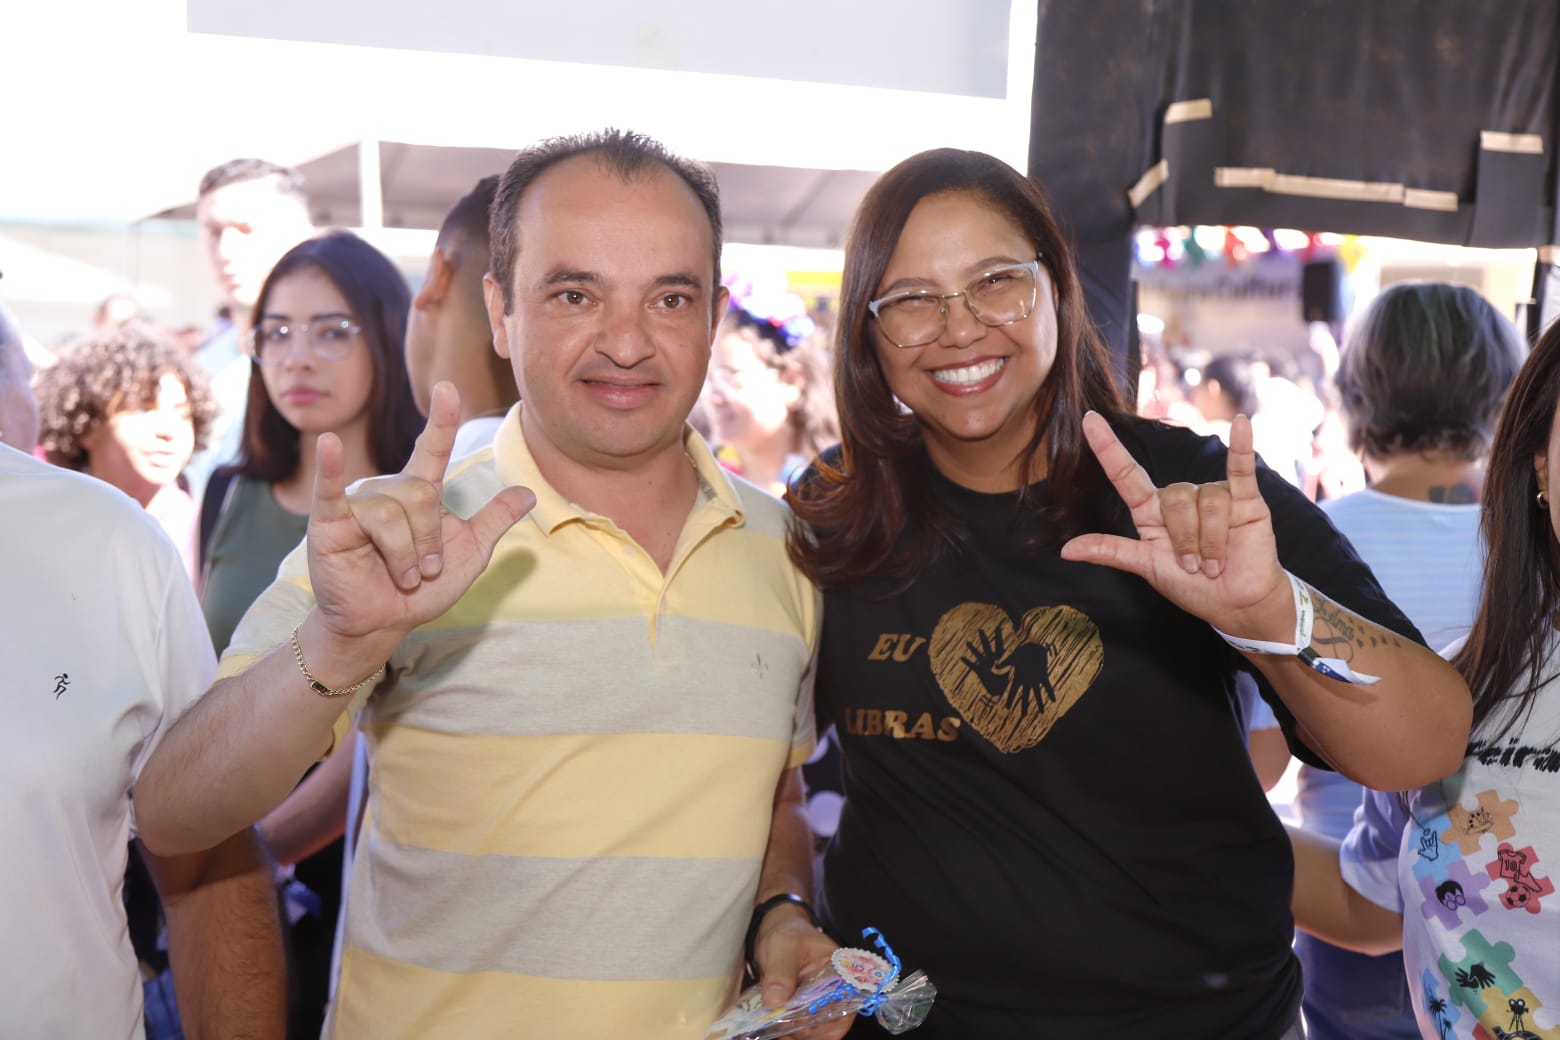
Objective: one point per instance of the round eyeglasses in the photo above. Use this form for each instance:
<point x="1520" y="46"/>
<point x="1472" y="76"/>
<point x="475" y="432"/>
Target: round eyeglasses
<point x="330" y="338"/>
<point x="1001" y="296"/>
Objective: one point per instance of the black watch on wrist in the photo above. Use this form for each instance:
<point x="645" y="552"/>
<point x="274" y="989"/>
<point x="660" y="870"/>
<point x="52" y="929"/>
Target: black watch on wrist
<point x="759" y="913"/>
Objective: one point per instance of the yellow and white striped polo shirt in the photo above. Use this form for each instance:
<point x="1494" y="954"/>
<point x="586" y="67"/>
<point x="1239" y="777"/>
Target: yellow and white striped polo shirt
<point x="572" y="769"/>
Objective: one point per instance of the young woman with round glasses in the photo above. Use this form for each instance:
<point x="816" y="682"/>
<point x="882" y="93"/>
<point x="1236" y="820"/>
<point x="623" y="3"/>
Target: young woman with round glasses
<point x="1049" y="805"/>
<point x="328" y="353"/>
<point x="327" y="348"/>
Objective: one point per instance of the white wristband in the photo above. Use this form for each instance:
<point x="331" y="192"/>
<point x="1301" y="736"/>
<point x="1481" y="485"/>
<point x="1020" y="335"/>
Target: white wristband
<point x="1305" y="616"/>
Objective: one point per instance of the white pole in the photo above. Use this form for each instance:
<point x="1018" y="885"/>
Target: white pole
<point x="370" y="191"/>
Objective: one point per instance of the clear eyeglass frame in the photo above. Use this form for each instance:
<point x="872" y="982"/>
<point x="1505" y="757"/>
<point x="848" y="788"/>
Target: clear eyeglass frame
<point x="876" y="306"/>
<point x="317" y="334"/>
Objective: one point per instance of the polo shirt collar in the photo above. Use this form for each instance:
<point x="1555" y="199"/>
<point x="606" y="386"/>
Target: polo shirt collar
<point x="514" y="464"/>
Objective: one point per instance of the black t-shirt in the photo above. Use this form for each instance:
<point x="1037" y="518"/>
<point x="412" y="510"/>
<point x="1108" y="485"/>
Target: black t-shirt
<point x="1049" y="806"/>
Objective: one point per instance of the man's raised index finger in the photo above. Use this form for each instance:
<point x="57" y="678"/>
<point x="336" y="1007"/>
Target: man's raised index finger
<point x="431" y="454"/>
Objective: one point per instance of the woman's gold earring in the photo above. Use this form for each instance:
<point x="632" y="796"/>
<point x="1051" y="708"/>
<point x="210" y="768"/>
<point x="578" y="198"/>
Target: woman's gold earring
<point x="1543" y="500"/>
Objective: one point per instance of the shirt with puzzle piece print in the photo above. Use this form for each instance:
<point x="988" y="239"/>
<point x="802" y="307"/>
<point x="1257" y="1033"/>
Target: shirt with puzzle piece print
<point x="1468" y="827"/>
<point x="1467" y="862"/>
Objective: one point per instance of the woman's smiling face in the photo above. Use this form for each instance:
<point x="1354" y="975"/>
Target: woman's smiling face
<point x="973" y="388"/>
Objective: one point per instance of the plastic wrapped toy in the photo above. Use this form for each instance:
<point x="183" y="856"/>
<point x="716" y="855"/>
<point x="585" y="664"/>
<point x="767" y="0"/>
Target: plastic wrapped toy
<point x="854" y="981"/>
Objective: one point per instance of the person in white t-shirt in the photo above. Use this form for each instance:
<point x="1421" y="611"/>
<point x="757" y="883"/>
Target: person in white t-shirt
<point x="1462" y="873"/>
<point x="104" y="646"/>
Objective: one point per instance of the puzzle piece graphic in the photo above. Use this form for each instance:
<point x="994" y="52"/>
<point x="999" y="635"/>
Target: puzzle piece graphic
<point x="1446" y="897"/>
<point x="1432" y="857"/>
<point x="1483" y="977"/>
<point x="1518" y="1018"/>
<point x="1524" y="890"/>
<point x="1440" y="1010"/>
<point x="1491" y="816"/>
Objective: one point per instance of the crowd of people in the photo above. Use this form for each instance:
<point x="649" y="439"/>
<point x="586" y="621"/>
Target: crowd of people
<point x="555" y="647"/>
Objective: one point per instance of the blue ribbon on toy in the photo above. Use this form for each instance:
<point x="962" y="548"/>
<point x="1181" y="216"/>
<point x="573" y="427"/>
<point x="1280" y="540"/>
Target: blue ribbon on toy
<point x="888" y="952"/>
<point x="843" y="989"/>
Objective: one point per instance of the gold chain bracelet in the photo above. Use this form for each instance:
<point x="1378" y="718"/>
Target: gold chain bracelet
<point x="319" y="687"/>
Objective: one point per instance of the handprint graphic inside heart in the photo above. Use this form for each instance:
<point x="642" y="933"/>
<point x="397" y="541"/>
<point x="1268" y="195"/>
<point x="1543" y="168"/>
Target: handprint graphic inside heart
<point x="1012" y="682"/>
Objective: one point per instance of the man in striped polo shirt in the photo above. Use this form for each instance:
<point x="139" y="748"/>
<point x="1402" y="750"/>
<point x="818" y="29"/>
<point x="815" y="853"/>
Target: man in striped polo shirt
<point x="585" y="724"/>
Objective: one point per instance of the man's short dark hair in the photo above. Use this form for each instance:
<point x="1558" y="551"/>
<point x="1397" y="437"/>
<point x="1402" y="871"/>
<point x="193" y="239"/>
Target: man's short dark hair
<point x="467" y="220"/>
<point x="1426" y="369"/>
<point x="623" y="153"/>
<point x="288" y="180"/>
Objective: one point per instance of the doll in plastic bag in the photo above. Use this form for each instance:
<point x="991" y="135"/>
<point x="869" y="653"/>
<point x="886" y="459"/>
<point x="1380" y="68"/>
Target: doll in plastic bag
<point x="854" y="981"/>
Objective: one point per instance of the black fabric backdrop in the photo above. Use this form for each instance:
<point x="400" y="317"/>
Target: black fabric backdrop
<point x="1390" y="92"/>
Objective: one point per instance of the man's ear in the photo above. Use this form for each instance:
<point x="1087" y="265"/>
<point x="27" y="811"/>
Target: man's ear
<point x="718" y="311"/>
<point x="493" y="295"/>
<point x="441" y="273"/>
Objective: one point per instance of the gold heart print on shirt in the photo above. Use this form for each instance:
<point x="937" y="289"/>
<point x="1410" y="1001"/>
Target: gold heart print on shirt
<point x="1012" y="682"/>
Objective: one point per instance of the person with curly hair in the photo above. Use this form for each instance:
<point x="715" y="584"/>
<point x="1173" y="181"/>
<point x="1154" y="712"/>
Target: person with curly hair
<point x="130" y="408"/>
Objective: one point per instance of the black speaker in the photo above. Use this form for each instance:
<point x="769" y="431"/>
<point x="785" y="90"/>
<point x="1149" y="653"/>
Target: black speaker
<point x="1321" y="291"/>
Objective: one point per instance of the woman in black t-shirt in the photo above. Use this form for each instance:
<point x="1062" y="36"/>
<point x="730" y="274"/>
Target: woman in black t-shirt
<point x="1049" y="807"/>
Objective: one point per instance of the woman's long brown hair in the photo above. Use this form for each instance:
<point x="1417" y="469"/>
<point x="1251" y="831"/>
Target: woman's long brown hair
<point x="1503" y="659"/>
<point x="872" y="514"/>
<point x="378" y="297"/>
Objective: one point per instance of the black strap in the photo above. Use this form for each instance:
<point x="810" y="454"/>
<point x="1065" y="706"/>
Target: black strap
<point x="759" y="912"/>
<point x="212" y="503"/>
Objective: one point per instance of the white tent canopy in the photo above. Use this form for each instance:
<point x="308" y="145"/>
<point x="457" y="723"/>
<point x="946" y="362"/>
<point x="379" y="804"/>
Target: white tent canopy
<point x="113" y="109"/>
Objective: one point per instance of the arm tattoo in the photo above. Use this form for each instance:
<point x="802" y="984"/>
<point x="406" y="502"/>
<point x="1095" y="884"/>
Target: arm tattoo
<point x="1337" y="633"/>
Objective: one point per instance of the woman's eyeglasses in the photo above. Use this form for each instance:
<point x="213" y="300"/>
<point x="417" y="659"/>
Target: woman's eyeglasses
<point x="1001" y="296"/>
<point x="330" y="338"/>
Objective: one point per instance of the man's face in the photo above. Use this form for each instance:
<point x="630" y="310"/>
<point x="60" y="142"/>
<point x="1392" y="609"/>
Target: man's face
<point x="615" y="307"/>
<point x="246" y="227"/>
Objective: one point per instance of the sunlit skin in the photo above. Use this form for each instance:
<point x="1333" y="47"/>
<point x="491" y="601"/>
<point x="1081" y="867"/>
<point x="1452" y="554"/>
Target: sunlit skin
<point x="140" y="449"/>
<point x="448" y="336"/>
<point x="422" y="338"/>
<point x="245" y="228"/>
<point x="973" y="389"/>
